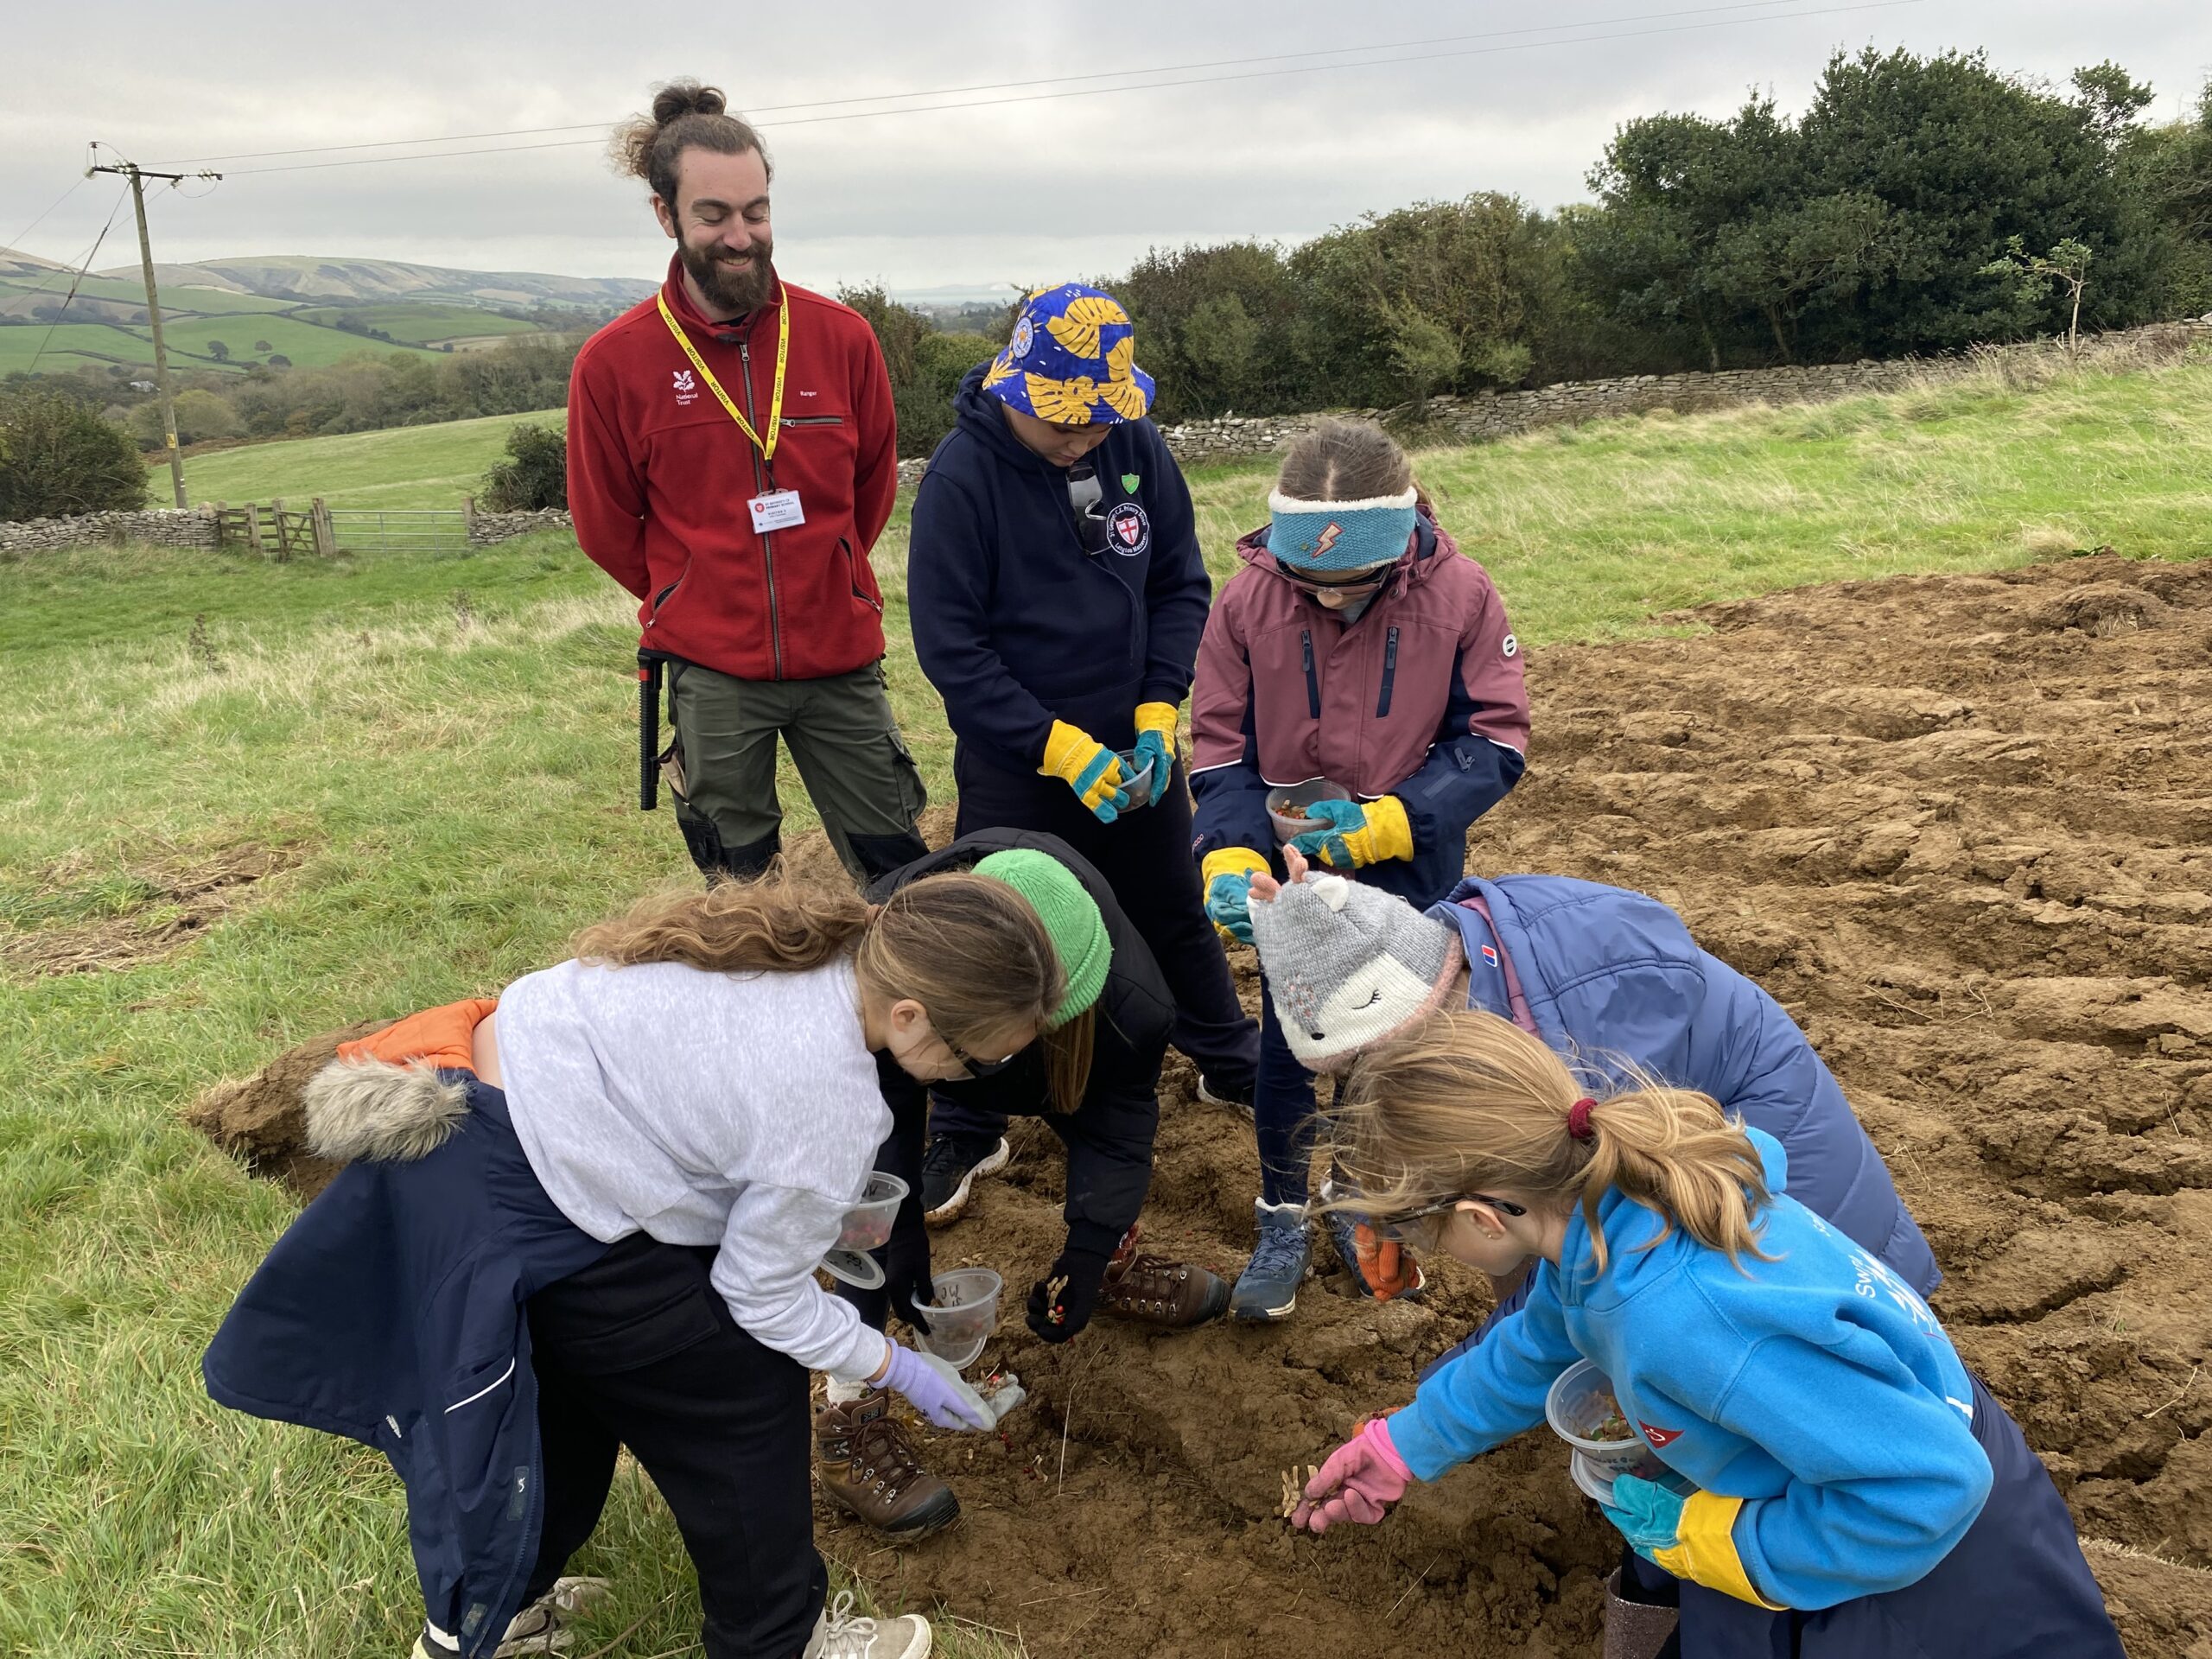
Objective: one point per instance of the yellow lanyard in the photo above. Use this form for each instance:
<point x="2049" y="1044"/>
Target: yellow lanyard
<point x="767" y="446"/>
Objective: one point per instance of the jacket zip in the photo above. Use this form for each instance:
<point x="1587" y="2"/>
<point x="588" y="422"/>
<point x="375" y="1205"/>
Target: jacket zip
<point x="1389" y="672"/>
<point x="814" y="420"/>
<point x="1313" y="679"/>
<point x="852" y="571"/>
<point x="1138" y="615"/>
<point x="761" y="484"/>
<point x="665" y="594"/>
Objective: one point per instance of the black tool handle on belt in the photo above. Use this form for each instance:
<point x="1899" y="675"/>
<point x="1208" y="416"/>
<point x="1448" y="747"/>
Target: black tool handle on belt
<point x="649" y="671"/>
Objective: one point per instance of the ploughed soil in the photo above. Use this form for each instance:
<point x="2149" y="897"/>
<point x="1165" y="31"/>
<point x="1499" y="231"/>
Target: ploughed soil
<point x="1962" y="828"/>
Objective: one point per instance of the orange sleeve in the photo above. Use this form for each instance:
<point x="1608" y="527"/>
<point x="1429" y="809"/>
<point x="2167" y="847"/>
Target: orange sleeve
<point x="442" y="1036"/>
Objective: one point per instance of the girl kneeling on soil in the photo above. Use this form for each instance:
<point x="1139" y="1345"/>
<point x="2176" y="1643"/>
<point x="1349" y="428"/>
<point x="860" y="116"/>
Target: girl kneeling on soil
<point x="1093" y="1075"/>
<point x="592" y="1221"/>
<point x="1849" y="1490"/>
<point x="1357" y="645"/>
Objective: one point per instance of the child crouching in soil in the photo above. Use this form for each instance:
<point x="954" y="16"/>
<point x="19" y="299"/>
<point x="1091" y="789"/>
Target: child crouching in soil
<point x="592" y="1220"/>
<point x="1858" y="1493"/>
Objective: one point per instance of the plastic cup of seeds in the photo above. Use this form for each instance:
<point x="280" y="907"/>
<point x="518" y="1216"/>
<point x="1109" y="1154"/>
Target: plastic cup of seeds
<point x="963" y="1315"/>
<point x="868" y="1227"/>
<point x="1582" y="1411"/>
<point x="1287" y="807"/>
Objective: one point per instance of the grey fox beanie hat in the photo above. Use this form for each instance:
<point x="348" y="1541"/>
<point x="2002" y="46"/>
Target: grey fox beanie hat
<point x="1348" y="965"/>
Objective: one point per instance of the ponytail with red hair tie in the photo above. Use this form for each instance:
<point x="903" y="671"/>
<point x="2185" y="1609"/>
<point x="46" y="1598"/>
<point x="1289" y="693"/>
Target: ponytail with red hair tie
<point x="1578" y="1119"/>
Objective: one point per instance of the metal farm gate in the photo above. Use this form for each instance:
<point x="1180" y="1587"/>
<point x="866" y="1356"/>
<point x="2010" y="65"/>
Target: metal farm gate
<point x="375" y="529"/>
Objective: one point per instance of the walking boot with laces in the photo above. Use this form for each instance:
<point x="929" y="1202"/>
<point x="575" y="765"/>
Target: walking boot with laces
<point x="1155" y="1290"/>
<point x="838" y="1635"/>
<point x="866" y="1465"/>
<point x="1268" y="1288"/>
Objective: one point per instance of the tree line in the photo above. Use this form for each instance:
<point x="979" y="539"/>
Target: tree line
<point x="1915" y="205"/>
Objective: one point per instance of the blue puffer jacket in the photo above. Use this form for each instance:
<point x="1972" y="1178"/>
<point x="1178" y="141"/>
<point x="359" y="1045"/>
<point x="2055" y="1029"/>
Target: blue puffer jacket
<point x="1014" y="624"/>
<point x="391" y="1313"/>
<point x="1608" y="972"/>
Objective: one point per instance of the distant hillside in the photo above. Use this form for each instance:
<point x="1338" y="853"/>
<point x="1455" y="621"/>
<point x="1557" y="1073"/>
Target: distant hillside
<point x="306" y="276"/>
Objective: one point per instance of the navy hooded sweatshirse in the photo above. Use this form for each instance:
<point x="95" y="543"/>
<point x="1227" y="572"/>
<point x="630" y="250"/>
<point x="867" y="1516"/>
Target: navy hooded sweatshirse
<point x="1014" y="624"/>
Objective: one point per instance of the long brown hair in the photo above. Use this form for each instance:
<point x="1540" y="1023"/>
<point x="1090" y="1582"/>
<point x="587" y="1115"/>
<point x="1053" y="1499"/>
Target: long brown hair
<point x="685" y="116"/>
<point x="970" y="951"/>
<point x="1464" y="1102"/>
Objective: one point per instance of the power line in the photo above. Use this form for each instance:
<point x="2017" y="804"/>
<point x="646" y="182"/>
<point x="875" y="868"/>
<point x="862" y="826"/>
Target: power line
<point x="1761" y="7"/>
<point x="16" y="240"/>
<point x="91" y="256"/>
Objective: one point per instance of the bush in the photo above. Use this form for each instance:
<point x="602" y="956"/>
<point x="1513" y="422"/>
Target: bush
<point x="200" y="416"/>
<point x="535" y="474"/>
<point x="57" y="456"/>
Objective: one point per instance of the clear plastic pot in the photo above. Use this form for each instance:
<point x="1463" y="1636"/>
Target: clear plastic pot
<point x="962" y="1316"/>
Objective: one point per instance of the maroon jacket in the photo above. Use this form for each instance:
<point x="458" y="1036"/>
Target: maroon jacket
<point x="1421" y="698"/>
<point x="659" y="474"/>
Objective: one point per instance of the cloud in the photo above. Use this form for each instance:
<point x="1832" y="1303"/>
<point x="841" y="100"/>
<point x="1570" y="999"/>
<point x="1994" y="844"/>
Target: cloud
<point x="1073" y="184"/>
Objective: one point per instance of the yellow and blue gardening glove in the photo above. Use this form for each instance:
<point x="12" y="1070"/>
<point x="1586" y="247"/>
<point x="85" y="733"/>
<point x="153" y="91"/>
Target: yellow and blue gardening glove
<point x="1156" y="743"/>
<point x="1693" y="1538"/>
<point x="1227" y="875"/>
<point x="1358" y="834"/>
<point x="1087" y="767"/>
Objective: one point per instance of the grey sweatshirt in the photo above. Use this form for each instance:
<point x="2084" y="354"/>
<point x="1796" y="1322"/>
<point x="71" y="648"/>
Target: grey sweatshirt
<point x="737" y="1110"/>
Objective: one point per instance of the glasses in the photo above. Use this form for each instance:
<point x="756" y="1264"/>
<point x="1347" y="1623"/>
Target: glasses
<point x="977" y="1068"/>
<point x="1420" y="1226"/>
<point x="1351" y="588"/>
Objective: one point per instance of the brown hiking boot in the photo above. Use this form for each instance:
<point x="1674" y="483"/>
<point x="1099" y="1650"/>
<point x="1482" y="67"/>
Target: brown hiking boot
<point x="865" y="1463"/>
<point x="1154" y="1290"/>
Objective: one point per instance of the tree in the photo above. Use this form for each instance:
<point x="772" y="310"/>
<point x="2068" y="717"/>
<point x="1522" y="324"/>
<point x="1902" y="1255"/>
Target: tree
<point x="2066" y="265"/>
<point x="200" y="416"/>
<point x="220" y="352"/>
<point x="2112" y="100"/>
<point x="57" y="456"/>
<point x="536" y="474"/>
<point x="1779" y="262"/>
<point x="278" y="361"/>
<point x="263" y="345"/>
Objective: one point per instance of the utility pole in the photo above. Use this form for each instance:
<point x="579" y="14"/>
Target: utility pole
<point x="131" y="171"/>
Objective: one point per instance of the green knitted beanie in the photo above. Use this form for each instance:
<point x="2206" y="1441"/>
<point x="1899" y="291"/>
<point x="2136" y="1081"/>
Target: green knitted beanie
<point x="1070" y="918"/>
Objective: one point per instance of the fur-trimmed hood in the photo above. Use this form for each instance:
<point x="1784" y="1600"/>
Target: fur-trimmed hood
<point x="375" y="1111"/>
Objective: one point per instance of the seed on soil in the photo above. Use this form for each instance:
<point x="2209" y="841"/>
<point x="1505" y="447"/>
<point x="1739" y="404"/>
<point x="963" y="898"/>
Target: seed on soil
<point x="1293" y="1487"/>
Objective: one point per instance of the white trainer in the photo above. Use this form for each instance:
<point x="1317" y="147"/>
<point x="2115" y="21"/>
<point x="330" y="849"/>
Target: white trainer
<point x="838" y="1635"/>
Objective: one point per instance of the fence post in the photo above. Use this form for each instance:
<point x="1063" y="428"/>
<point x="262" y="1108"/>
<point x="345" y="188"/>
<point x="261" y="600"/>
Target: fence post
<point x="468" y="520"/>
<point x="253" y="528"/>
<point x="326" y="537"/>
<point x="276" y="524"/>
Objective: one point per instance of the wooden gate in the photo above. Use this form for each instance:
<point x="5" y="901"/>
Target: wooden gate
<point x="275" y="530"/>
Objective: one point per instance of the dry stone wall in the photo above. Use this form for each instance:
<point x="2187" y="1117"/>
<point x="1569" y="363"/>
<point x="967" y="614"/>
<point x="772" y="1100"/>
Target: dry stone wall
<point x="162" y="526"/>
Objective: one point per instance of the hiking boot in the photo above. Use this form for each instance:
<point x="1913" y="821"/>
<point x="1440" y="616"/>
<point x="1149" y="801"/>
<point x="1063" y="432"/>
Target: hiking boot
<point x="861" y="1454"/>
<point x="951" y="1164"/>
<point x="539" y="1628"/>
<point x="1343" y="1226"/>
<point x="1237" y="1096"/>
<point x="838" y="1635"/>
<point x="1634" y="1629"/>
<point x="1268" y="1288"/>
<point x="1154" y="1290"/>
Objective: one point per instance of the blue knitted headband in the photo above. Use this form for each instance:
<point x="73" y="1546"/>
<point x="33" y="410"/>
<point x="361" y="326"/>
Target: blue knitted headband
<point x="1333" y="535"/>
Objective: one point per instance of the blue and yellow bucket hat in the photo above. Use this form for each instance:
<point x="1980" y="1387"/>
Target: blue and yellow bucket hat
<point x="1072" y="360"/>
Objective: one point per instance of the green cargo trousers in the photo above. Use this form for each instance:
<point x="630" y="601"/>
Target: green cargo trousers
<point x="843" y="740"/>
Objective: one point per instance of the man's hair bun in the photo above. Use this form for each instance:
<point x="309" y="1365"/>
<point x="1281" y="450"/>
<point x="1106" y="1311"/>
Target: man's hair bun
<point x="687" y="98"/>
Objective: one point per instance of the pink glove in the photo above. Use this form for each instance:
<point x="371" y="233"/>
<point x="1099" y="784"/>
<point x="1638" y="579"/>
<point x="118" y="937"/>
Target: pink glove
<point x="927" y="1392"/>
<point x="1361" y="1480"/>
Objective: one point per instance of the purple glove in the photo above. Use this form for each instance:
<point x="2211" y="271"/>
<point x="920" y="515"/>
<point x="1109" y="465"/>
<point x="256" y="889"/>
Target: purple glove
<point x="1361" y="1480"/>
<point x="927" y="1392"/>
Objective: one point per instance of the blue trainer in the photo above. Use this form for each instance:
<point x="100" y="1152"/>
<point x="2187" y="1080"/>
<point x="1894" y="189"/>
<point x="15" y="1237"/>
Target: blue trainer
<point x="1268" y="1288"/>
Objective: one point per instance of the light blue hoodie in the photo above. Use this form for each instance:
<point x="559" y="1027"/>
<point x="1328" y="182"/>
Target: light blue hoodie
<point x="1817" y="1387"/>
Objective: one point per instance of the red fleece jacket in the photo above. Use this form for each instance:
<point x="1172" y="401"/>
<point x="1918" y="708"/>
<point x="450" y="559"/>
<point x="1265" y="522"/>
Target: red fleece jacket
<point x="659" y="475"/>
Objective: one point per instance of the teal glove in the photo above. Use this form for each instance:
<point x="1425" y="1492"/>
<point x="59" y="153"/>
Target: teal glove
<point x="1088" y="767"/>
<point x="1229" y="904"/>
<point x="1647" y="1515"/>
<point x="1358" y="834"/>
<point x="1152" y="746"/>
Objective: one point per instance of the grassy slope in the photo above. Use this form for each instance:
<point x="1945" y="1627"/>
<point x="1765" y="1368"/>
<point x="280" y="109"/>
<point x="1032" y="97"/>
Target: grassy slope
<point x="456" y="795"/>
<point x="421" y="323"/>
<point x="401" y="467"/>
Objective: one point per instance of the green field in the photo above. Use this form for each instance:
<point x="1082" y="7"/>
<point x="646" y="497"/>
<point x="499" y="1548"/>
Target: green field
<point x="422" y="324"/>
<point x="18" y="293"/>
<point x="72" y="345"/>
<point x="398" y="467"/>
<point x="437" y="755"/>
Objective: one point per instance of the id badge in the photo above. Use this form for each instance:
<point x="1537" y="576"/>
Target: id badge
<point x="777" y="510"/>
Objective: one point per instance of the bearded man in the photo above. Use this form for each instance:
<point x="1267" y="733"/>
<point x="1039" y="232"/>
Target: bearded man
<point x="732" y="459"/>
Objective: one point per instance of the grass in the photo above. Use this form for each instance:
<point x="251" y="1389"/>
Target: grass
<point x="400" y="467"/>
<point x="446" y="787"/>
<point x="421" y="323"/>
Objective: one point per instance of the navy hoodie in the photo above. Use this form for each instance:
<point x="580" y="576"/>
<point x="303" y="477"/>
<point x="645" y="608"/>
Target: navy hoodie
<point x="1014" y="624"/>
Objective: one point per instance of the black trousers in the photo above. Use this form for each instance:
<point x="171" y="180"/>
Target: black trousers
<point x="1145" y="857"/>
<point x="639" y="1350"/>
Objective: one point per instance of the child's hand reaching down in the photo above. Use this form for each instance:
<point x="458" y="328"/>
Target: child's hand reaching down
<point x="1359" y="1482"/>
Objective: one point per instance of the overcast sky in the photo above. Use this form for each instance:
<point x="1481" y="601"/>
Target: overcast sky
<point x="1030" y="191"/>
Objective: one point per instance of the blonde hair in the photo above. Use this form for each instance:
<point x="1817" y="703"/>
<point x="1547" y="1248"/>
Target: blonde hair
<point x="1464" y="1102"/>
<point x="972" y="951"/>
